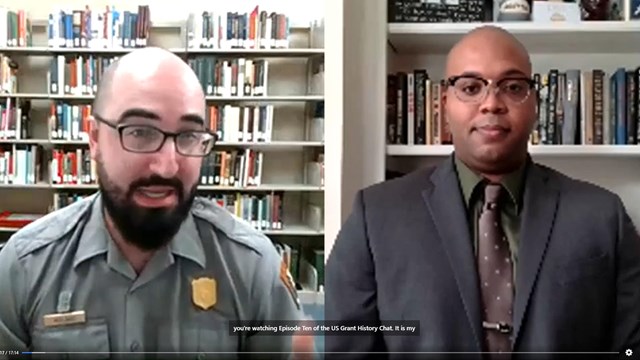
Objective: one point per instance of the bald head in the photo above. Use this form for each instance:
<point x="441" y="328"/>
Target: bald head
<point x="490" y="129"/>
<point x="484" y="41"/>
<point x="145" y="65"/>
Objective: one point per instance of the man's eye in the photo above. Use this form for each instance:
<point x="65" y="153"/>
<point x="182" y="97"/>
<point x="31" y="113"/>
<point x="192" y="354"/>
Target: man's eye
<point x="471" y="89"/>
<point x="139" y="132"/>
<point x="514" y="87"/>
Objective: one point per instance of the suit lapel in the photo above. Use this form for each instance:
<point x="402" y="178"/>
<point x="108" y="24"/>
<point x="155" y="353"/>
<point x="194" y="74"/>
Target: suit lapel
<point x="540" y="204"/>
<point x="446" y="206"/>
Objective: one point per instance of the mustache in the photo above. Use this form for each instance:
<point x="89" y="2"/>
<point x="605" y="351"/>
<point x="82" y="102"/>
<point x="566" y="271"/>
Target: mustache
<point x="155" y="180"/>
<point x="492" y="121"/>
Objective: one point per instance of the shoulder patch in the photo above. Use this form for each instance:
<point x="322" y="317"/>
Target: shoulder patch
<point x="49" y="228"/>
<point x="287" y="280"/>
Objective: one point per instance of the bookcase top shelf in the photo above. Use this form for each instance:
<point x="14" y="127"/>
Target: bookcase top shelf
<point x="585" y="37"/>
<point x="534" y="150"/>
<point x="249" y="53"/>
<point x="294" y="25"/>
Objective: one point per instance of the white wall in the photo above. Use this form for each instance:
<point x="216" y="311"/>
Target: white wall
<point x="363" y="91"/>
<point x="334" y="72"/>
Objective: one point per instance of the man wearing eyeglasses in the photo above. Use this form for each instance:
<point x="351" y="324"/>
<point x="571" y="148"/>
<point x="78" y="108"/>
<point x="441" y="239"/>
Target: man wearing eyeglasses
<point x="489" y="251"/>
<point x="144" y="265"/>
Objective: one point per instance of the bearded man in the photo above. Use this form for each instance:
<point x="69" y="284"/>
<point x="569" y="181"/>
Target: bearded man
<point x="144" y="265"/>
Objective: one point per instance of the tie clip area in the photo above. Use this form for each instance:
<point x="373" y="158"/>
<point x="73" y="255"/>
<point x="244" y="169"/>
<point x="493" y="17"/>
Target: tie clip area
<point x="499" y="326"/>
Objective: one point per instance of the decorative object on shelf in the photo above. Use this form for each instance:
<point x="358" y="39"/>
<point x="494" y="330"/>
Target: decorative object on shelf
<point x="556" y="11"/>
<point x="634" y="12"/>
<point x="602" y="10"/>
<point x="432" y="11"/>
<point x="512" y="10"/>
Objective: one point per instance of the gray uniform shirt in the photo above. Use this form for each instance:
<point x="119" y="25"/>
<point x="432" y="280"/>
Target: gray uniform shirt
<point x="216" y="269"/>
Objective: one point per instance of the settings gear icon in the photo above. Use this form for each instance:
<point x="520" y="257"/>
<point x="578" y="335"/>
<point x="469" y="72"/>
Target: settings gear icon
<point x="628" y="352"/>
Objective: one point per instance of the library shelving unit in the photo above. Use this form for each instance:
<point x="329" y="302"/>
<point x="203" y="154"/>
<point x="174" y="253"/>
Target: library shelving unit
<point x="586" y="46"/>
<point x="266" y="104"/>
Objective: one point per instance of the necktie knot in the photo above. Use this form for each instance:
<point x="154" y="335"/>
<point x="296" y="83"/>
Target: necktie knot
<point x="492" y="193"/>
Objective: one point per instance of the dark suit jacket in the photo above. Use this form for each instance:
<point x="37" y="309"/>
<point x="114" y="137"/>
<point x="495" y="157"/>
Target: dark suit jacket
<point x="405" y="253"/>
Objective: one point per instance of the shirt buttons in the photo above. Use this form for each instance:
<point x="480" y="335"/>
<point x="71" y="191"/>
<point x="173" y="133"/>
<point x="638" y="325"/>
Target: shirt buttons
<point x="134" y="346"/>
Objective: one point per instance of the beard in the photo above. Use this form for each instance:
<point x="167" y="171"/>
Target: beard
<point x="145" y="228"/>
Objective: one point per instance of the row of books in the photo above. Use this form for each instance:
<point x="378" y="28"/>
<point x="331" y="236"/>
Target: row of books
<point x="231" y="77"/>
<point x="305" y="264"/>
<point x="112" y="27"/>
<point x="8" y="74"/>
<point x="231" y="123"/>
<point x="238" y="168"/>
<point x="590" y="107"/>
<point x="99" y="29"/>
<point x="263" y="212"/>
<point x="414" y="109"/>
<point x="77" y="74"/>
<point x="241" y="123"/>
<point x="228" y="122"/>
<point x="21" y="166"/>
<point x="14" y="119"/>
<point x="26" y="164"/>
<point x="81" y="74"/>
<point x="259" y="29"/>
<point x="72" y="167"/>
<point x="15" y="28"/>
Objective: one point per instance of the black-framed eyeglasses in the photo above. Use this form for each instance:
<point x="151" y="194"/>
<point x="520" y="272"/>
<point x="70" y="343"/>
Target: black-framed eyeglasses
<point x="474" y="89"/>
<point x="146" y="139"/>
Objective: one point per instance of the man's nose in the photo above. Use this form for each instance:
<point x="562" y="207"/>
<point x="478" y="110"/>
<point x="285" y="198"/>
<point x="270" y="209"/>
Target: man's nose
<point x="165" y="160"/>
<point x="493" y="102"/>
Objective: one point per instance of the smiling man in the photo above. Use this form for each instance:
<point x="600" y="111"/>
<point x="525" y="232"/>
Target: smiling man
<point x="143" y="265"/>
<point x="489" y="251"/>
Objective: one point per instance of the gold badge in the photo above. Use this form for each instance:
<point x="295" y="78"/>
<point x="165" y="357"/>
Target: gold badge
<point x="203" y="293"/>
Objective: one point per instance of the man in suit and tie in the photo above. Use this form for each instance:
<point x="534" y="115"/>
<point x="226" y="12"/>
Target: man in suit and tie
<point x="489" y="251"/>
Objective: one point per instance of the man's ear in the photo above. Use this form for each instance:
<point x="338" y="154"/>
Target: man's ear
<point x="93" y="137"/>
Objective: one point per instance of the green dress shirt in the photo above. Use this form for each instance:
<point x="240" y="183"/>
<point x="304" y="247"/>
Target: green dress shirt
<point x="472" y="191"/>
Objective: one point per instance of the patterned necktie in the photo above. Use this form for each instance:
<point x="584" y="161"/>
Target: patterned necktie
<point x="494" y="268"/>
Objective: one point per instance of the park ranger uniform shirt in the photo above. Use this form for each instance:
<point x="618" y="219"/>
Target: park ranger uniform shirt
<point x="215" y="270"/>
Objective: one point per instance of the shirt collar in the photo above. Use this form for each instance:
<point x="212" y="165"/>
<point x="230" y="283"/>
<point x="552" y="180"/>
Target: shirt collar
<point x="96" y="240"/>
<point x="469" y="180"/>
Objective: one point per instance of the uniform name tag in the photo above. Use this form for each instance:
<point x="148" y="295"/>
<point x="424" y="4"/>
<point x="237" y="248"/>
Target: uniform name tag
<point x="71" y="318"/>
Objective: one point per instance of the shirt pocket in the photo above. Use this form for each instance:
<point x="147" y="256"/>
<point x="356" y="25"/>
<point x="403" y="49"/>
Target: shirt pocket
<point x="90" y="337"/>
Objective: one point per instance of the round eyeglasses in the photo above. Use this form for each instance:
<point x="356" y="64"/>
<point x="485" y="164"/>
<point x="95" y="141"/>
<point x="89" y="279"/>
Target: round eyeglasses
<point x="474" y="89"/>
<point x="150" y="139"/>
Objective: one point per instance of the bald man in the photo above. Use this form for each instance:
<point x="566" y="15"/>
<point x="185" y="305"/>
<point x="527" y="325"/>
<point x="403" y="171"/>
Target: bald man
<point x="144" y="265"/>
<point x="489" y="252"/>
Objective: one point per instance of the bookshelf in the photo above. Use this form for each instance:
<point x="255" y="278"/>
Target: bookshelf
<point x="393" y="47"/>
<point x="285" y="143"/>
